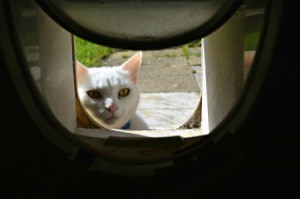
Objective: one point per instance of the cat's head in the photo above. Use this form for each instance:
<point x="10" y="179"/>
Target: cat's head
<point x="110" y="94"/>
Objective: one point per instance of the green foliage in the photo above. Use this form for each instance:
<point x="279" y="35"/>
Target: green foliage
<point x="90" y="54"/>
<point x="196" y="43"/>
<point x="251" y="40"/>
<point x="186" y="51"/>
<point x="252" y="32"/>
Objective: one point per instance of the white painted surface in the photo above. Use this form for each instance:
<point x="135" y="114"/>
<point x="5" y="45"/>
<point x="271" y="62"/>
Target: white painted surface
<point x="223" y="70"/>
<point x="204" y="114"/>
<point x="100" y="133"/>
<point x="56" y="81"/>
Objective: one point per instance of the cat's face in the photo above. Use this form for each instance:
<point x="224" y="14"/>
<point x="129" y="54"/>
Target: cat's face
<point x="110" y="94"/>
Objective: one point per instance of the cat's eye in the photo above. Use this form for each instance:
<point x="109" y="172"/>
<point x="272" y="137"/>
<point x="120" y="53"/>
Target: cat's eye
<point x="94" y="94"/>
<point x="123" y="92"/>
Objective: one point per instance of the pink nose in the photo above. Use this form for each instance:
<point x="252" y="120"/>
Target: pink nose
<point x="112" y="108"/>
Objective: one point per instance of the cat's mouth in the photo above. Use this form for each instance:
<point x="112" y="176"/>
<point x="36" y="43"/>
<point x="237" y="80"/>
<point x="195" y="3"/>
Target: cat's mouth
<point x="110" y="119"/>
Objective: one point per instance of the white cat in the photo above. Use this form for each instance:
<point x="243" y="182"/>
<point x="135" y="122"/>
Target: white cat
<point x="110" y="94"/>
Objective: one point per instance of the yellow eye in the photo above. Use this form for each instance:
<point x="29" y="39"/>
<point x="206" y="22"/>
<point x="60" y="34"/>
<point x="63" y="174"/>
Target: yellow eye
<point x="94" y="94"/>
<point x="124" y="92"/>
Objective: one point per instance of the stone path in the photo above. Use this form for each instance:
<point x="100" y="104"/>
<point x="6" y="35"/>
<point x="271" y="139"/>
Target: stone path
<point x="169" y="83"/>
<point x="167" y="110"/>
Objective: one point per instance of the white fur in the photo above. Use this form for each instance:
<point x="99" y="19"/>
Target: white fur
<point x="108" y="81"/>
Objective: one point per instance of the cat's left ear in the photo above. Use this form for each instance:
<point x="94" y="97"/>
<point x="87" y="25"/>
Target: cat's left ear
<point x="80" y="71"/>
<point x="133" y="65"/>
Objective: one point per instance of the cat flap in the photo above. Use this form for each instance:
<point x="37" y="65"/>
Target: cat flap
<point x="143" y="24"/>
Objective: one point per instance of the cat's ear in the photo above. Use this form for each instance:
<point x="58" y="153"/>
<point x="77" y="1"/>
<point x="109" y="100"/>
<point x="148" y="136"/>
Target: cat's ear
<point x="133" y="65"/>
<point x="80" y="71"/>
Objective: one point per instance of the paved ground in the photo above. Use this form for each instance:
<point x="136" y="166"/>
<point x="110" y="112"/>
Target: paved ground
<point x="169" y="83"/>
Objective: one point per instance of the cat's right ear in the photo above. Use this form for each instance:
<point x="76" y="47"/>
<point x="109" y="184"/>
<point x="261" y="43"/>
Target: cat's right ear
<point x="80" y="71"/>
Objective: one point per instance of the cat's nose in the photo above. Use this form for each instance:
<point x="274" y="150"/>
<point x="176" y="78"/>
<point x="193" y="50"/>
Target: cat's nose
<point x="112" y="108"/>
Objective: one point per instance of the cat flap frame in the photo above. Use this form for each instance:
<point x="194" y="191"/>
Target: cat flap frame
<point x="48" y="59"/>
<point x="59" y="93"/>
<point x="203" y="120"/>
<point x="168" y="142"/>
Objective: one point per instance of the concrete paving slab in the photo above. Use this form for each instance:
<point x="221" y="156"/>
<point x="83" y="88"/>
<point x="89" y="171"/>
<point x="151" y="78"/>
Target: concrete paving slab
<point x="178" y="79"/>
<point x="167" y="110"/>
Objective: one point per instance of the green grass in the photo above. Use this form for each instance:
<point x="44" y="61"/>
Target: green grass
<point x="90" y="54"/>
<point x="253" y="29"/>
<point x="187" y="53"/>
<point x="196" y="43"/>
<point x="251" y="40"/>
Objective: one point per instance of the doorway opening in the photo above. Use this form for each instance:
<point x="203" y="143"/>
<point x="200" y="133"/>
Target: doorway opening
<point x="169" y="80"/>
